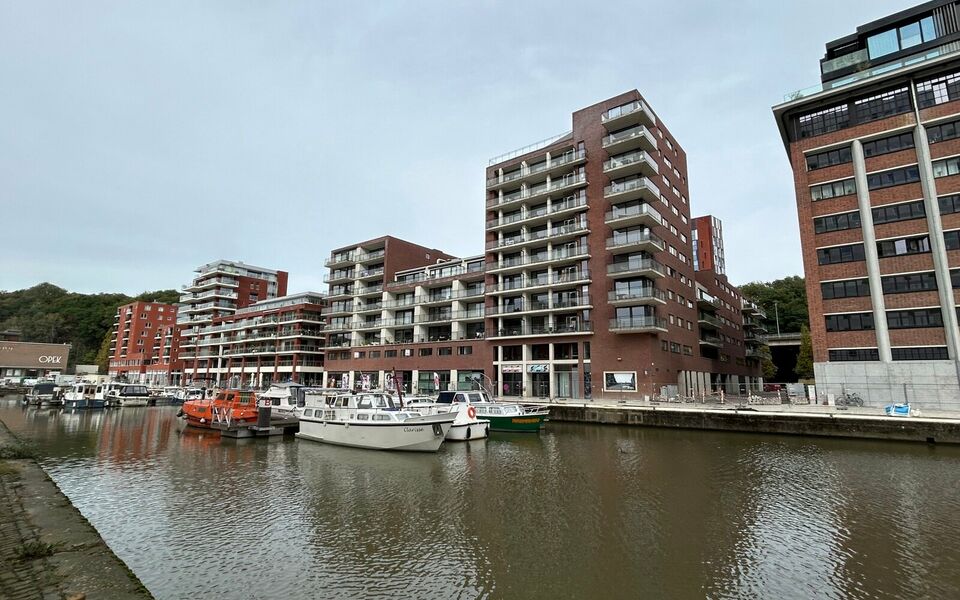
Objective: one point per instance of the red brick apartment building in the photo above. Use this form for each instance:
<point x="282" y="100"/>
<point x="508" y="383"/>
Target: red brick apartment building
<point x="587" y="286"/>
<point x="875" y="151"/>
<point x="141" y="342"/>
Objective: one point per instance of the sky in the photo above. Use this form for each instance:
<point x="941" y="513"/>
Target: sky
<point x="141" y="140"/>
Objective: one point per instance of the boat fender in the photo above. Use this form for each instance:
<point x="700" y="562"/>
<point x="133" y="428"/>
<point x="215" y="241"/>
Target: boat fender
<point x="472" y="413"/>
<point x="468" y="427"/>
<point x="180" y="413"/>
<point x="202" y="420"/>
<point x="488" y="431"/>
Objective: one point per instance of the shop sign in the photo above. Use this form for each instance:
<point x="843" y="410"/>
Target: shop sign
<point x="538" y="368"/>
<point x="34" y="356"/>
<point x="511" y="368"/>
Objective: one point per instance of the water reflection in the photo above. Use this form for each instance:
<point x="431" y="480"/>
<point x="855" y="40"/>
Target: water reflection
<point x="576" y="512"/>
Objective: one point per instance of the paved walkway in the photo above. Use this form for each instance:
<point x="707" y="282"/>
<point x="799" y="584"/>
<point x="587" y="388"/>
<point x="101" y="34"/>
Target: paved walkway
<point x="33" y="510"/>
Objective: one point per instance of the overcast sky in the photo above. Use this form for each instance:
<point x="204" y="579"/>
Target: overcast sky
<point x="140" y="140"/>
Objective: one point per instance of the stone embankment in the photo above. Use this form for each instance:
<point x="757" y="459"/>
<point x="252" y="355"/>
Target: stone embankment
<point x="48" y="550"/>
<point x="866" y="423"/>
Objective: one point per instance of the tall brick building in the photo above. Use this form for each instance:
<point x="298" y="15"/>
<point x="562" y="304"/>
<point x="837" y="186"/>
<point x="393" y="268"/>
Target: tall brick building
<point x="135" y="354"/>
<point x="875" y="151"/>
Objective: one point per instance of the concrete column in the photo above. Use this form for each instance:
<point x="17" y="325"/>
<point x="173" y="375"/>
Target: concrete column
<point x="870" y="252"/>
<point x="938" y="250"/>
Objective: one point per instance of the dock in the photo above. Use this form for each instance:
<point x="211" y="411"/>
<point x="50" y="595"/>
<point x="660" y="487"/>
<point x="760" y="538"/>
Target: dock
<point x="278" y="425"/>
<point x="938" y="427"/>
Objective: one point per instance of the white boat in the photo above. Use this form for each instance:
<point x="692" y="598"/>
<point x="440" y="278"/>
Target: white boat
<point x="466" y="426"/>
<point x="502" y="416"/>
<point x="193" y="393"/>
<point x="370" y="420"/>
<point x="123" y="394"/>
<point x="82" y="395"/>
<point x="286" y="398"/>
<point x="44" y="392"/>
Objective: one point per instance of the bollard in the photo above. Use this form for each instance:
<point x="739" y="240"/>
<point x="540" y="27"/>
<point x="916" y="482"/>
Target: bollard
<point x="263" y="416"/>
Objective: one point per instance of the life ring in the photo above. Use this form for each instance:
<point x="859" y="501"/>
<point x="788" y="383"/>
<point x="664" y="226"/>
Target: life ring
<point x="471" y="412"/>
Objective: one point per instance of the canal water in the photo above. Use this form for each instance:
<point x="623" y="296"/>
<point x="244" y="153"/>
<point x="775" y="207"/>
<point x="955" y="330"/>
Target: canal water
<point x="579" y="511"/>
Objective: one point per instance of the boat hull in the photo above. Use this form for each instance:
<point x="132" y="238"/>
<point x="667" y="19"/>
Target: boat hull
<point x="475" y="430"/>
<point x="414" y="435"/>
<point x="83" y="403"/>
<point x="517" y="423"/>
<point x="132" y="401"/>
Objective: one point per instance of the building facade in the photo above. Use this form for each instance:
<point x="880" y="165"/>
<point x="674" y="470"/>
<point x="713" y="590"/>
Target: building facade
<point x="134" y="353"/>
<point x="219" y="289"/>
<point x="875" y="154"/>
<point x="20" y="360"/>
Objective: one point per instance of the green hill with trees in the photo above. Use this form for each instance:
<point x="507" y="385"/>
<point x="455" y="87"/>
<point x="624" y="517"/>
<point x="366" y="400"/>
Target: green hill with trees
<point x="47" y="313"/>
<point x="786" y="297"/>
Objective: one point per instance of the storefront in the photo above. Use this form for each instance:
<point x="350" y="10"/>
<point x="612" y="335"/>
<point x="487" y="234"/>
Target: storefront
<point x="20" y="360"/>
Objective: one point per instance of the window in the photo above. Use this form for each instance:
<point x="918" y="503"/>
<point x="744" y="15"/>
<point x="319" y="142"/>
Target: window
<point x="882" y="105"/>
<point x="949" y="204"/>
<point x="851" y="288"/>
<point x="886" y="145"/>
<point x="883" y="43"/>
<point x="389" y="353"/>
<point x="901" y="38"/>
<point x="374" y="354"/>
<point x="951" y="239"/>
<point x="840" y="254"/>
<point x="833" y="189"/>
<point x="946" y="166"/>
<point x="942" y="131"/>
<point x="853" y="354"/>
<point x="824" y="121"/>
<point x="955" y="278"/>
<point x="892" y="213"/>
<point x="938" y="90"/>
<point x="922" y="353"/>
<point x="850" y="322"/>
<point x="915" y="318"/>
<point x="445" y="351"/>
<point x="911" y="282"/>
<point x="426" y="352"/>
<point x="903" y="246"/>
<point x="829" y="158"/>
<point x="899" y="176"/>
<point x="850" y="220"/>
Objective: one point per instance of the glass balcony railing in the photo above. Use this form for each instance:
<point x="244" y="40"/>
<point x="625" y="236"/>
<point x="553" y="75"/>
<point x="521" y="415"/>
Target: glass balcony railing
<point x="634" y="238"/>
<point x="639" y="183"/>
<point x="651" y="323"/>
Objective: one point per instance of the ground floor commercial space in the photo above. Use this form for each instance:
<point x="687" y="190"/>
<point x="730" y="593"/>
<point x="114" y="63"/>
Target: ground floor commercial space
<point x="413" y="381"/>
<point x="28" y="360"/>
<point x="254" y="377"/>
<point x="931" y="384"/>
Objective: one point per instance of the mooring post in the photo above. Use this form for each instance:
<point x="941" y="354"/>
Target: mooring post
<point x="263" y="414"/>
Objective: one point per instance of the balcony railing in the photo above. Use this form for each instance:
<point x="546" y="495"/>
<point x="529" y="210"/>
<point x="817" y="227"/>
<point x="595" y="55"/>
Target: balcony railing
<point x="560" y="328"/>
<point x="559" y="184"/>
<point x="636" y="135"/>
<point x="347" y="257"/>
<point x="555" y="162"/>
<point x="641" y="184"/>
<point x="638" y="157"/>
<point x="638" y="324"/>
<point x="634" y="238"/>
<point x="528" y="282"/>
<point x="535" y="236"/>
<point x="637" y="295"/>
<point x="636" y="265"/>
<point x="635" y="108"/>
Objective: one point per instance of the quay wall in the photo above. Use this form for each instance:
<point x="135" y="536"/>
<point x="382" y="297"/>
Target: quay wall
<point x="911" y="429"/>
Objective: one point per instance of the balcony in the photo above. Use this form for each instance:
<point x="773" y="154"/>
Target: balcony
<point x="369" y="290"/>
<point x="708" y="321"/>
<point x="365" y="257"/>
<point x="393" y="304"/>
<point x="752" y="309"/>
<point x="562" y="254"/>
<point x="711" y="341"/>
<point x="555" y="166"/>
<point x="337" y="310"/>
<point x="707" y="301"/>
<point x="214" y="293"/>
<point x="203" y="284"/>
<point x="578" y="327"/>
<point x="638" y="297"/>
<point x="557" y="279"/>
<point x="554" y="234"/>
<point x="638" y="325"/>
<point x="755" y="338"/>
<point x="343" y="259"/>
<point x="635" y="240"/>
<point x="638" y="162"/>
<point x="646" y="267"/>
<point x="641" y="214"/>
<point x="635" y="138"/>
<point x="640" y="188"/>
<point x="634" y="113"/>
<point x="432" y="300"/>
<point x="366" y="308"/>
<point x="368" y="325"/>
<point x="443" y="317"/>
<point x="567" y="206"/>
<point x="341" y="277"/>
<point x="365" y="274"/>
<point x="401" y="322"/>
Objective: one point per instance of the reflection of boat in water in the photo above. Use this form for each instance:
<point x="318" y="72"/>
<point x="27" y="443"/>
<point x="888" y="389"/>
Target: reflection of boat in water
<point x="229" y="406"/>
<point x="371" y="420"/>
<point x="82" y="395"/>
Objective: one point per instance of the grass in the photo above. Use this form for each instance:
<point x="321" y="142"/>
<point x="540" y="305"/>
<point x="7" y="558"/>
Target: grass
<point x="35" y="550"/>
<point x="14" y="451"/>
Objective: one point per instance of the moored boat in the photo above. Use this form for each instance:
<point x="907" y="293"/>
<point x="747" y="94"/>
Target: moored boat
<point x="82" y="395"/>
<point x="504" y="416"/>
<point x="227" y="407"/>
<point x="285" y="398"/>
<point x="125" y="394"/>
<point x="42" y="393"/>
<point x="467" y="425"/>
<point x="371" y="420"/>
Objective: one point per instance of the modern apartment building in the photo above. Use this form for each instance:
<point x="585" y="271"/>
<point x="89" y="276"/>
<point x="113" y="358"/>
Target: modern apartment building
<point x="134" y="353"/>
<point x="280" y="339"/>
<point x="875" y="151"/>
<point x="219" y="289"/>
<point x="591" y="287"/>
<point x="397" y="306"/>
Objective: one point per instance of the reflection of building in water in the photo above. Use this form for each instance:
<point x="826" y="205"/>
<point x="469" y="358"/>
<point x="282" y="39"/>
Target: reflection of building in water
<point x="133" y="434"/>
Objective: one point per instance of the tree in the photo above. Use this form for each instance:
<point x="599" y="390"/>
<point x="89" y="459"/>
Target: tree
<point x="804" y="368"/>
<point x="103" y="356"/>
<point x="786" y="297"/>
<point x="766" y="364"/>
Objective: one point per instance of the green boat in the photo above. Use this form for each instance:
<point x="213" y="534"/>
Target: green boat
<point x="502" y="416"/>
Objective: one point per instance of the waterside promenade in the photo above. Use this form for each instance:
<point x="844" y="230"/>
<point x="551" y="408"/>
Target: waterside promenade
<point x="931" y="426"/>
<point x="48" y="550"/>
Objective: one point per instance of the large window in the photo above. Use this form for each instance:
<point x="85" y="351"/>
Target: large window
<point x="946" y="166"/>
<point x="853" y="354"/>
<point x="949" y="204"/>
<point x="886" y="145"/>
<point x="850" y="220"/>
<point x="921" y="353"/>
<point x="833" y="189"/>
<point x="850" y="288"/>
<point x="911" y="282"/>
<point x="829" y="158"/>
<point x="943" y="131"/>
<point x="882" y="105"/>
<point x="824" y="121"/>
<point x="840" y="254"/>
<point x="901" y="38"/>
<point x="850" y="322"/>
<point x="904" y="211"/>
<point x="899" y="176"/>
<point x="916" y="318"/>
<point x="903" y="246"/>
<point x="951" y="239"/>
<point x="939" y="90"/>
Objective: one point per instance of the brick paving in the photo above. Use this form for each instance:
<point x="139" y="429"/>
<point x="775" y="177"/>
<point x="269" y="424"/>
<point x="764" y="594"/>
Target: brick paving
<point x="20" y="579"/>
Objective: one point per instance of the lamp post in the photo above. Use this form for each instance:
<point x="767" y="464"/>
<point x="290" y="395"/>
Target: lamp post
<point x="776" y="311"/>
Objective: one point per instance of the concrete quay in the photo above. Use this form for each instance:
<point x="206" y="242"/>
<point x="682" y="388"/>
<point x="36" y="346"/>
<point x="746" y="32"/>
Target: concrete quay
<point x="48" y="550"/>
<point x="939" y="427"/>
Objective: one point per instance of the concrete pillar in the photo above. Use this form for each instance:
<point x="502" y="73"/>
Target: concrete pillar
<point x="870" y="253"/>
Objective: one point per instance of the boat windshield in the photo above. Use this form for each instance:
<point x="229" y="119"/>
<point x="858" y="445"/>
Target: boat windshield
<point x="134" y="390"/>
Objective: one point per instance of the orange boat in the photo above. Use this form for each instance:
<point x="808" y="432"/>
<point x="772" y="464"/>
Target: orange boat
<point x="229" y="406"/>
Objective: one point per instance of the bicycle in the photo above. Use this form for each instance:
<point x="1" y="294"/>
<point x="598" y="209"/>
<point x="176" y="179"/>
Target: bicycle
<point x="849" y="399"/>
